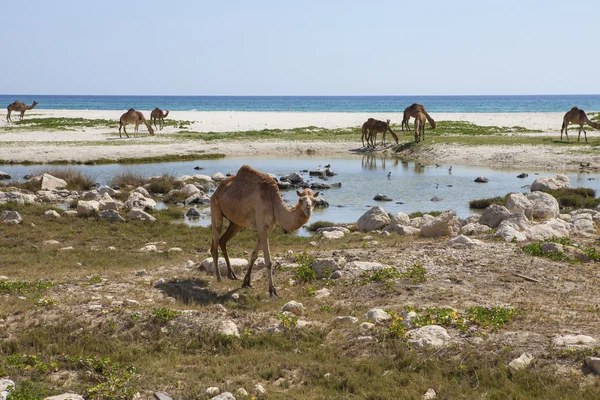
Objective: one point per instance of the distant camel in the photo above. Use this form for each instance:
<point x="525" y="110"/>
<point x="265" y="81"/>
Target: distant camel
<point x="381" y="127"/>
<point x="576" y="116"/>
<point x="412" y="111"/>
<point x="252" y="200"/>
<point x="420" y="127"/>
<point x="158" y="114"/>
<point x="366" y="130"/>
<point x="133" y="117"/>
<point x="20" y="107"/>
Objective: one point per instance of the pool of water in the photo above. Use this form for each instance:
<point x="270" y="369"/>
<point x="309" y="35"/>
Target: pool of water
<point x="410" y="185"/>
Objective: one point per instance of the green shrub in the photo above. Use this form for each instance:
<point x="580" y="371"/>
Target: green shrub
<point x="304" y="272"/>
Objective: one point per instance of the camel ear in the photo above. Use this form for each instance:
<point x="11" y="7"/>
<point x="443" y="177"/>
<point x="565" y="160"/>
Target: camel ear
<point x="298" y="193"/>
<point x="316" y="194"/>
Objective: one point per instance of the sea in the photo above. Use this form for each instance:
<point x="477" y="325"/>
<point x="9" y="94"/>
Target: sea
<point x="450" y="104"/>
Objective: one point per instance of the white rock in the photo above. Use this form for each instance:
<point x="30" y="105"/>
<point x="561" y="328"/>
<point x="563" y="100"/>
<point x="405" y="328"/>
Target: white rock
<point x="87" y="208"/>
<point x="593" y="363"/>
<point x="212" y="391"/>
<point x="237" y="264"/>
<point x="518" y="203"/>
<point x="377" y="315"/>
<point x="573" y="340"/>
<point x="366" y="326"/>
<point x="259" y="390"/>
<point x="521" y="362"/>
<point x="464" y="240"/>
<point x="545" y="206"/>
<point x="428" y="336"/>
<point x="51" y="242"/>
<point x="550" y="183"/>
<point x="65" y="396"/>
<point x="322" y="293"/>
<point x="16" y="197"/>
<point x="493" y="215"/>
<point x="112" y="215"/>
<point x="138" y="200"/>
<point x="149" y="249"/>
<point x="175" y="250"/>
<point x="138" y="214"/>
<point x="10" y="218"/>
<point x="50" y="182"/>
<point x="332" y="235"/>
<point x="228" y="328"/>
<point x="374" y="219"/>
<point x="242" y="392"/>
<point x="189" y="190"/>
<point x="430" y="394"/>
<point x="51" y="214"/>
<point x="223" y="396"/>
<point x="444" y="224"/>
<point x="294" y="307"/>
<point x="475" y="228"/>
<point x="345" y="320"/>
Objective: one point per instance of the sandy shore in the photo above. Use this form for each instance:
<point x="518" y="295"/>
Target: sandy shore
<point x="45" y="146"/>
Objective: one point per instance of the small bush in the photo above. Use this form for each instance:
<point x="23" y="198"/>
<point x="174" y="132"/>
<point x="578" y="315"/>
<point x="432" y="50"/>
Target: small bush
<point x="163" y="184"/>
<point x="304" y="272"/>
<point x="127" y="179"/>
<point x="420" y="214"/>
<point x="482" y="204"/>
<point x="165" y="314"/>
<point x="319" y="224"/>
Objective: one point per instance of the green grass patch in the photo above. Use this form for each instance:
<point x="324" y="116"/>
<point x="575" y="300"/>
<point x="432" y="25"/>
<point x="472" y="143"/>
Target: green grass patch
<point x="418" y="214"/>
<point x="481" y="204"/>
<point x="304" y="272"/>
<point x="23" y="287"/>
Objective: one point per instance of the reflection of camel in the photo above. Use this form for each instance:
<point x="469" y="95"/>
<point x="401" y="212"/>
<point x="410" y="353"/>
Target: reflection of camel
<point x="158" y="114"/>
<point x="133" y="117"/>
<point x="20" y="107"/>
<point x="252" y="200"/>
<point x="381" y="127"/>
<point x="576" y="116"/>
<point x="412" y="111"/>
<point x="420" y="126"/>
<point x="366" y="128"/>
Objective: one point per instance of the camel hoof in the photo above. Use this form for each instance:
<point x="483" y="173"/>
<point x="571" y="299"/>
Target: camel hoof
<point x="272" y="291"/>
<point x="246" y="284"/>
<point x="232" y="276"/>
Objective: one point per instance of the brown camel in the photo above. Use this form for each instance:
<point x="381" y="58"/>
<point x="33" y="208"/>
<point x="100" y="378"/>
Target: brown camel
<point x="576" y="116"/>
<point x="251" y="199"/>
<point x="420" y="120"/>
<point x="412" y="111"/>
<point x="133" y="117"/>
<point x="158" y="114"/>
<point x="381" y="127"/>
<point x="366" y="131"/>
<point x="20" y="107"/>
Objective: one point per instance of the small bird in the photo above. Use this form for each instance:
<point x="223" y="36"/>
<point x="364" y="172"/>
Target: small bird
<point x="450" y="170"/>
<point x="328" y="166"/>
<point x="438" y="165"/>
<point x="389" y="175"/>
<point x="582" y="165"/>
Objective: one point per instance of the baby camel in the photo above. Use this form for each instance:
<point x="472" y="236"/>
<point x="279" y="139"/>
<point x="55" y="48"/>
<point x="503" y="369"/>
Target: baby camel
<point x="251" y="199"/>
<point x="420" y="120"/>
<point x="158" y="114"/>
<point x="20" y="107"/>
<point x="576" y="116"/>
<point x="380" y="127"/>
<point x="133" y="117"/>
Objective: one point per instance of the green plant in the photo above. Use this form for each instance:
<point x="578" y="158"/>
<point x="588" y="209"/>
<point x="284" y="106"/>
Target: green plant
<point x="304" y="272"/>
<point x="287" y="320"/>
<point x="397" y="328"/>
<point x="416" y="273"/>
<point x="25" y="391"/>
<point x="45" y="302"/>
<point x="23" y="287"/>
<point x="326" y="308"/>
<point x="380" y="275"/>
<point x="487" y="318"/>
<point x="165" y="314"/>
<point x="112" y="380"/>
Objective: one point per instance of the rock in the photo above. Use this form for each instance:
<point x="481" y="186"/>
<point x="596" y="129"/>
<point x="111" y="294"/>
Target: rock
<point x="377" y="315"/>
<point x="325" y="266"/>
<point x="573" y="341"/>
<point x="228" y="328"/>
<point x="481" y="179"/>
<point x="193" y="213"/>
<point x="189" y="189"/>
<point x="4" y="175"/>
<point x="333" y="229"/>
<point x="521" y="362"/>
<point x="583" y="224"/>
<point x="593" y="363"/>
<point x="137" y="200"/>
<point x="345" y="320"/>
<point x="107" y="190"/>
<point x="87" y="208"/>
<point x="51" y="214"/>
<point x="550" y="247"/>
<point x="400" y="219"/>
<point x="522" y="175"/>
<point x="218" y="176"/>
<point x="65" y="396"/>
<point x="510" y="232"/>
<point x="237" y="264"/>
<point x="197" y="198"/>
<point x="382" y="197"/>
<point x="212" y="391"/>
<point x="418" y="222"/>
<point x="575" y="253"/>
<point x="259" y="390"/>
<point x="106" y="203"/>
<point x="50" y="182"/>
<point x="10" y="217"/>
<point x="292" y="178"/>
<point x="142" y="191"/>
<point x="242" y="392"/>
<point x="5" y="384"/>
<point x="406" y="230"/>
<point x="137" y="214"/>
<point x="493" y="215"/>
<point x="294" y="307"/>
<point x="548" y="229"/>
<point x="150" y="248"/>
<point x="16" y="197"/>
<point x="430" y="394"/>
<point x="474" y="229"/>
<point x="329" y="172"/>
<point x="357" y="268"/>
<point x="518" y="203"/>
<point x="374" y="219"/>
<point x="332" y="235"/>
<point x="51" y="242"/>
<point x="428" y="336"/>
<point x="550" y="183"/>
<point x="112" y="215"/>
<point x="316" y="172"/>
<point x="175" y="250"/>
<point x="444" y="224"/>
<point x="464" y="240"/>
<point x="545" y="206"/>
<point x="223" y="396"/>
<point x="322" y="293"/>
<point x="437" y="198"/>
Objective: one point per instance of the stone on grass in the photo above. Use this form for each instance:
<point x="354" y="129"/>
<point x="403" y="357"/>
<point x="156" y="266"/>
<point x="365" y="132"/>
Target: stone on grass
<point x="345" y="320"/>
<point x="112" y="215"/>
<point x="87" y="208"/>
<point x="51" y="214"/>
<point x="377" y="315"/>
<point x="593" y="363"/>
<point x="65" y="396"/>
<point x="138" y="214"/>
<point x="332" y="235"/>
<point x="237" y="264"/>
<point x="545" y="206"/>
<point x="444" y="224"/>
<point x="544" y="183"/>
<point x="10" y="218"/>
<point x="521" y="362"/>
<point x="223" y="396"/>
<point x="212" y="391"/>
<point x="428" y="336"/>
<point x="50" y="182"/>
<point x="294" y="307"/>
<point x="493" y="215"/>
<point x="374" y="219"/>
<point x="518" y="203"/>
<point x="430" y="394"/>
<point x="573" y="341"/>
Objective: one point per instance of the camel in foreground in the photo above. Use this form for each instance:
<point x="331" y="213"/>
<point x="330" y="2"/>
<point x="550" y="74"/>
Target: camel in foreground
<point x="20" y="107"/>
<point x="133" y="117"/>
<point x="577" y="116"/>
<point x="251" y="199"/>
<point x="158" y="114"/>
<point x="412" y="111"/>
<point x="380" y="127"/>
<point x="420" y="120"/>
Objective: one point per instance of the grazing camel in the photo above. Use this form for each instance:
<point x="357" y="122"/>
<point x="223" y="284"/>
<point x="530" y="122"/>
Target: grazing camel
<point x="412" y="111"/>
<point x="366" y="131"/>
<point x="133" y="117"/>
<point x="420" y="127"/>
<point x="251" y="199"/>
<point x="383" y="127"/>
<point x="158" y="114"/>
<point x="577" y="116"/>
<point x="20" y="107"/>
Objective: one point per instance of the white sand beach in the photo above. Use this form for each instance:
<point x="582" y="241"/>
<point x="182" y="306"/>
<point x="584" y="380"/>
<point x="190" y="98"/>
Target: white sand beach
<point x="45" y="146"/>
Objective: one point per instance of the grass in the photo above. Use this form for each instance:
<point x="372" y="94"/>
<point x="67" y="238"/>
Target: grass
<point x="568" y="198"/>
<point x="535" y="249"/>
<point x="73" y="124"/>
<point x="76" y="180"/>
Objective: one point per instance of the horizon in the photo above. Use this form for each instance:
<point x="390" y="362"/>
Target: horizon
<point x="284" y="95"/>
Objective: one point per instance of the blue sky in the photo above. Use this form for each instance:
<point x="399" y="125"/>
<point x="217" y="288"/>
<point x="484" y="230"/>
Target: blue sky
<point x="300" y="48"/>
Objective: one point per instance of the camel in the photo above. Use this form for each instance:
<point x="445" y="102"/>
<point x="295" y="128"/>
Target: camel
<point x="133" y="117"/>
<point x="412" y="111"/>
<point x="251" y="199"/>
<point x="577" y="116"/>
<point x="420" y="126"/>
<point x="383" y="127"/>
<point x="366" y="128"/>
<point x="158" y="114"/>
<point x="20" y="107"/>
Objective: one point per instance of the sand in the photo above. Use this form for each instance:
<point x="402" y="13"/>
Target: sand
<point x="45" y="146"/>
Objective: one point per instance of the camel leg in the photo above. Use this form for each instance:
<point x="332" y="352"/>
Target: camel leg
<point x="153" y="121"/>
<point x="216" y="225"/>
<point x="135" y="130"/>
<point x="231" y="231"/>
<point x="247" y="283"/>
<point x="8" y="115"/>
<point x="264" y="238"/>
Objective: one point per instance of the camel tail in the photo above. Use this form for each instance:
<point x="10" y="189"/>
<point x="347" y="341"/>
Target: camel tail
<point x="431" y="120"/>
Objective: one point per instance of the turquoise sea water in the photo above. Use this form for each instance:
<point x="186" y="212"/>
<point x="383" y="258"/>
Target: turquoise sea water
<point x="534" y="103"/>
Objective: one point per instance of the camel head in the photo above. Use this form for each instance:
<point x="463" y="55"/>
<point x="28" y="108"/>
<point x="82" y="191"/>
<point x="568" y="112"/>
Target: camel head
<point x="35" y="103"/>
<point x="388" y="122"/>
<point x="307" y="200"/>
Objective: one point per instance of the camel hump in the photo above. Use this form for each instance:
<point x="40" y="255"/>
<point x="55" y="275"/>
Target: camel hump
<point x="574" y="108"/>
<point x="131" y="109"/>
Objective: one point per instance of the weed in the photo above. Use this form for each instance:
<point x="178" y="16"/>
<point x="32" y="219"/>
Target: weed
<point x="287" y="320"/>
<point x="45" y="302"/>
<point x="165" y="314"/>
<point x="21" y="287"/>
<point x="380" y="275"/>
<point x="487" y="318"/>
<point x="420" y="214"/>
<point x="25" y="391"/>
<point x="304" y="272"/>
<point x="326" y="308"/>
<point x="416" y="273"/>
<point x="112" y="380"/>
